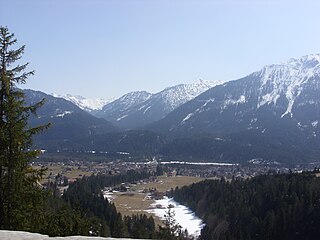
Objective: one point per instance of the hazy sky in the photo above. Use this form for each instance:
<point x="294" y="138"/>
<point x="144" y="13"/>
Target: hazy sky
<point x="105" y="48"/>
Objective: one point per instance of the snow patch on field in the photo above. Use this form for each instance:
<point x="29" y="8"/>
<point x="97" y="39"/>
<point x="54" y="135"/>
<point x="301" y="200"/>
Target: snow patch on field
<point x="183" y="215"/>
<point x="109" y="195"/>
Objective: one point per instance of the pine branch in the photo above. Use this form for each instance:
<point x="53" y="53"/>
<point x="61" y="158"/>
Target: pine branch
<point x="13" y="55"/>
<point x="22" y="78"/>
<point x="18" y="69"/>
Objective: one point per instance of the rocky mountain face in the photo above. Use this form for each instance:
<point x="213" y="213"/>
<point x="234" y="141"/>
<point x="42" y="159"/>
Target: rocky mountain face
<point x="276" y="109"/>
<point x="119" y="109"/>
<point x="68" y="121"/>
<point x="137" y="109"/>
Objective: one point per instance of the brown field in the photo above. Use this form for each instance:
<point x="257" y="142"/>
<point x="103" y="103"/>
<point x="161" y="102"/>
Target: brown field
<point x="56" y="169"/>
<point x="136" y="203"/>
<point x="166" y="183"/>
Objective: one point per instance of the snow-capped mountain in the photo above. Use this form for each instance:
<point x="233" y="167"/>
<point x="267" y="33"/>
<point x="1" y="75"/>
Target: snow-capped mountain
<point x="133" y="111"/>
<point x="269" y="116"/>
<point x="288" y="79"/>
<point x="278" y="105"/>
<point x="173" y="97"/>
<point x="68" y="120"/>
<point x="87" y="104"/>
<point x="118" y="109"/>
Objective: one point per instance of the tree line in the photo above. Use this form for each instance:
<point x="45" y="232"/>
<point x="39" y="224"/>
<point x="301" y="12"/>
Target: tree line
<point x="281" y="206"/>
<point x="86" y="196"/>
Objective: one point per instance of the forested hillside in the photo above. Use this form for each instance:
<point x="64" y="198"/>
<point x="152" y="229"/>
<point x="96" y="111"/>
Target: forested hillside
<point x="284" y="206"/>
<point x="85" y="195"/>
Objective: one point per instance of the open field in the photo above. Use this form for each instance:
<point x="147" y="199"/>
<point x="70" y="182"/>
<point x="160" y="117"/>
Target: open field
<point x="68" y="171"/>
<point x="166" y="183"/>
<point x="135" y="202"/>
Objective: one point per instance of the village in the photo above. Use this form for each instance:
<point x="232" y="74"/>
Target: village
<point x="64" y="172"/>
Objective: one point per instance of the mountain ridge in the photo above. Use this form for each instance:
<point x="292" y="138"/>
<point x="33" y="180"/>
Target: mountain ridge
<point x="152" y="107"/>
<point x="261" y="89"/>
<point x="87" y="104"/>
<point x="273" y="110"/>
<point x="271" y="115"/>
<point x="68" y="120"/>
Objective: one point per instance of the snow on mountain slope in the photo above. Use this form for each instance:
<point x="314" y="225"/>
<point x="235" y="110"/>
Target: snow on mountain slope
<point x="272" y="114"/>
<point x="132" y="111"/>
<point x="117" y="109"/>
<point x="288" y="78"/>
<point x="87" y="104"/>
<point x="177" y="95"/>
<point x="289" y="89"/>
<point x="68" y="120"/>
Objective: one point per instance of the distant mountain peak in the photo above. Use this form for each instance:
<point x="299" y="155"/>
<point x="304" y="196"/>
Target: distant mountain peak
<point x="208" y="82"/>
<point x="272" y="114"/>
<point x="307" y="61"/>
<point x="287" y="79"/>
<point x="176" y="95"/>
<point x="128" y="100"/>
<point x="136" y="109"/>
<point x="296" y="68"/>
<point x="87" y="104"/>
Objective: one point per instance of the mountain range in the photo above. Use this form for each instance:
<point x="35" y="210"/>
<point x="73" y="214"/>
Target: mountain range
<point x="88" y="104"/>
<point x="287" y="92"/>
<point x="137" y="109"/>
<point x="267" y="115"/>
<point x="68" y="120"/>
<point x="271" y="115"/>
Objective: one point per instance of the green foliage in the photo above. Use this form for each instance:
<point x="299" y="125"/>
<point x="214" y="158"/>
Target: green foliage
<point x="140" y="226"/>
<point x="20" y="196"/>
<point x="61" y="220"/>
<point x="171" y="229"/>
<point x="265" y="207"/>
<point x="159" y="170"/>
<point x="85" y="195"/>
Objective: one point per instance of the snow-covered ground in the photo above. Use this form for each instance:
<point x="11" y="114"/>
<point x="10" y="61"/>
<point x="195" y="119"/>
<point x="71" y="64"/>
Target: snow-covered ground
<point x="183" y="215"/>
<point x="109" y="195"/>
<point x="17" y="235"/>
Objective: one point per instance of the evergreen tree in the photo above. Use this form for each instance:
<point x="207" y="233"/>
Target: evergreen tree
<point x="19" y="194"/>
<point x="171" y="229"/>
<point x="280" y="206"/>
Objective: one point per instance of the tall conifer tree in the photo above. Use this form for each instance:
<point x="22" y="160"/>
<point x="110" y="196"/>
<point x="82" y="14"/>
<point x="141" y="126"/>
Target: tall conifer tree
<point x="19" y="192"/>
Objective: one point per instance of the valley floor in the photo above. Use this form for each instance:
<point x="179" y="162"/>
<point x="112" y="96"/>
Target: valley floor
<point x="149" y="198"/>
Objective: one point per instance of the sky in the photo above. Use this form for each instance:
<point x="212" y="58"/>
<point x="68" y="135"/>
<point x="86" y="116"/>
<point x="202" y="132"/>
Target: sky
<point x="106" y="48"/>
